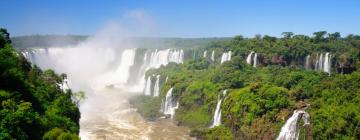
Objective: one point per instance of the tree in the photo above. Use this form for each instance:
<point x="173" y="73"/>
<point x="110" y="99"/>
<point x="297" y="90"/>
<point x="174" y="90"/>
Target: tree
<point x="334" y="36"/>
<point x="4" y="37"/>
<point x="319" y="36"/>
<point x="239" y="38"/>
<point x="287" y="35"/>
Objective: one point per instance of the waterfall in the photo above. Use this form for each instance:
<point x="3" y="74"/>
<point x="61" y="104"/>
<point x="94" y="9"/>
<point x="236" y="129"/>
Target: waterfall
<point x="290" y="130"/>
<point x="307" y="62"/>
<point x="327" y="63"/>
<point x="157" y="86"/>
<point x="255" y="60"/>
<point x="217" y="114"/>
<point x="213" y="56"/>
<point x="147" y="90"/>
<point x="225" y="57"/>
<point x="169" y="108"/>
<point x="65" y="85"/>
<point x="252" y="59"/>
<point x="323" y="63"/>
<point x="249" y="58"/>
<point x="166" y="79"/>
<point x="205" y="54"/>
<point x="127" y="60"/>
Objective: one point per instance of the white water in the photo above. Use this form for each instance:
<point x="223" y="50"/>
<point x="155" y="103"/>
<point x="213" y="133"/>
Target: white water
<point x="106" y="114"/>
<point x="169" y="108"/>
<point x="249" y="58"/>
<point x="65" y="85"/>
<point x="157" y="86"/>
<point x="290" y="131"/>
<point x="226" y="56"/>
<point x="327" y="63"/>
<point x="148" y="87"/>
<point x="252" y="59"/>
<point x="213" y="56"/>
<point x="217" y="113"/>
<point x="205" y="54"/>
<point x="255" y="60"/>
<point x="307" y="62"/>
<point x="323" y="63"/>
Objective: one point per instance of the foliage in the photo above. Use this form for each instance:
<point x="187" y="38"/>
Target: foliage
<point x="32" y="103"/>
<point x="260" y="100"/>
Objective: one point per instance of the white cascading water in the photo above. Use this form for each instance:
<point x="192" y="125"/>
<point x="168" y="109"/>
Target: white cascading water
<point x="327" y="63"/>
<point x="226" y="56"/>
<point x="255" y="60"/>
<point x="166" y="79"/>
<point x="205" y="54"/>
<point x="169" y="108"/>
<point x="65" y="85"/>
<point x="290" y="131"/>
<point x="213" y="56"/>
<point x="249" y="57"/>
<point x="122" y="73"/>
<point x="147" y="90"/>
<point x="307" y="62"/>
<point x="323" y="63"/>
<point x="217" y="113"/>
<point x="158" y="58"/>
<point x="157" y="86"/>
<point x="252" y="59"/>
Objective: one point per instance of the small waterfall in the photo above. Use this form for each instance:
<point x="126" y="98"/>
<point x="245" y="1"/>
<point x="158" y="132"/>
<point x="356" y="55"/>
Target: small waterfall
<point x="249" y="58"/>
<point x="205" y="54"/>
<point x="166" y="79"/>
<point x="323" y="63"/>
<point x="147" y="90"/>
<point x="225" y="57"/>
<point x="327" y="63"/>
<point x="157" y="86"/>
<point x="213" y="56"/>
<point x="255" y="60"/>
<point x="290" y="130"/>
<point x="65" y="85"/>
<point x="169" y="108"/>
<point x="307" y="62"/>
<point x="217" y="114"/>
<point x="252" y="59"/>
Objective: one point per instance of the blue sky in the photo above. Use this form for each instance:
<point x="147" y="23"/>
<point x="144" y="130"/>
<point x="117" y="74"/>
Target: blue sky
<point x="182" y="18"/>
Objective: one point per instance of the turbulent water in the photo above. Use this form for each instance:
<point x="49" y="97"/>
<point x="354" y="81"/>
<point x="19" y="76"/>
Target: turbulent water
<point x="252" y="59"/>
<point x="169" y="105"/>
<point x="217" y="113"/>
<point x="109" y="77"/>
<point x="226" y="56"/>
<point x="290" y="131"/>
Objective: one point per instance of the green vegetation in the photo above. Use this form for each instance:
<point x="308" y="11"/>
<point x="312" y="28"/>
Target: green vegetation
<point x="32" y="104"/>
<point x="261" y="99"/>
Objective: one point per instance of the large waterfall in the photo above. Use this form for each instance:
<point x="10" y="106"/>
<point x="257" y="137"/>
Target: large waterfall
<point x="127" y="60"/>
<point x="169" y="108"/>
<point x="290" y="131"/>
<point x="323" y="63"/>
<point x="226" y="56"/>
<point x="157" y="86"/>
<point x="109" y="76"/>
<point x="217" y="113"/>
<point x="252" y="59"/>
